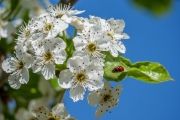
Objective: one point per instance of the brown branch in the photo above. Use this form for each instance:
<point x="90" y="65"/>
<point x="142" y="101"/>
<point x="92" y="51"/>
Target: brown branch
<point x="68" y="2"/>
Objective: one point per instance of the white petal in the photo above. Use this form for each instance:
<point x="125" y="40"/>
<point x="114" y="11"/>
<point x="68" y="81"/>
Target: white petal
<point x="106" y="88"/>
<point x="37" y="66"/>
<point x="125" y="36"/>
<point x="28" y="60"/>
<point x="103" y="44"/>
<point x="94" y="84"/>
<point x="65" y="78"/>
<point x="13" y="80"/>
<point x="59" y="110"/>
<point x="59" y="56"/>
<point x="9" y="65"/>
<point x="95" y="81"/>
<point x="59" y="43"/>
<point x="104" y="107"/>
<point x="77" y="63"/>
<point x="114" y="51"/>
<point x="19" y="52"/>
<point x="75" y="12"/>
<point x="77" y="93"/>
<point x="117" y="91"/>
<point x="38" y="102"/>
<point x="59" y="26"/>
<point x="66" y="18"/>
<point x="100" y="111"/>
<point x="117" y="25"/>
<point x="79" y="43"/>
<point x="41" y="113"/>
<point x="118" y="36"/>
<point x="120" y="47"/>
<point x="94" y="68"/>
<point x="93" y="98"/>
<point x="25" y="76"/>
<point x="48" y="71"/>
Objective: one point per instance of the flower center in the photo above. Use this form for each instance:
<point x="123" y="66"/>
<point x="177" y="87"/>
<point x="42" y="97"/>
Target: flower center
<point x="20" y="65"/>
<point x="48" y="56"/>
<point x="91" y="47"/>
<point x="59" y="15"/>
<point x="110" y="34"/>
<point x="80" y="77"/>
<point x="48" y="27"/>
<point x="27" y="33"/>
<point x="106" y="97"/>
<point x="51" y="118"/>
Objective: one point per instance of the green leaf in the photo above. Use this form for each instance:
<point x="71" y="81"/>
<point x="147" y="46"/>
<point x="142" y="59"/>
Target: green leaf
<point x="150" y="72"/>
<point x="114" y="76"/>
<point x="113" y="62"/>
<point x="156" y="7"/>
<point x="124" y="60"/>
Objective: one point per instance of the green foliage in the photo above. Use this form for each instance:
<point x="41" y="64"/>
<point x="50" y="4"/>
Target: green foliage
<point x="149" y="72"/>
<point x="157" y="7"/>
<point x="111" y="63"/>
<point x="115" y="76"/>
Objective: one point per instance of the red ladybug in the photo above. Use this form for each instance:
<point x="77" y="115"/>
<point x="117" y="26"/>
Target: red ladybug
<point x="118" y="69"/>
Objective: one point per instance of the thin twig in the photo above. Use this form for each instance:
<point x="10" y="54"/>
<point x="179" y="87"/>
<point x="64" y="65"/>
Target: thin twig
<point x="68" y="2"/>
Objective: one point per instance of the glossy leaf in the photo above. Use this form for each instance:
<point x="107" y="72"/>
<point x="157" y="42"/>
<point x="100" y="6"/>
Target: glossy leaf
<point x="114" y="76"/>
<point x="113" y="62"/>
<point x="150" y="72"/>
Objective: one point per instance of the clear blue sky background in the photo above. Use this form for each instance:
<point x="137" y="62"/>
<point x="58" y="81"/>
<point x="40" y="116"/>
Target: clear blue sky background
<point x="152" y="38"/>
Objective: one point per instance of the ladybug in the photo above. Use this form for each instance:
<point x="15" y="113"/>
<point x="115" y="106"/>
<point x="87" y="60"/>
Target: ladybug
<point x="118" y="69"/>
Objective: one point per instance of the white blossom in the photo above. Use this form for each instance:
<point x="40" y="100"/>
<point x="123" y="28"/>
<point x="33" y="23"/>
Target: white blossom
<point x="18" y="68"/>
<point x="47" y="54"/>
<point x="105" y="99"/>
<point x="49" y="26"/>
<point x="64" y="12"/>
<point x="113" y="30"/>
<point x="58" y="112"/>
<point x="81" y="75"/>
<point x="26" y="32"/>
<point x="91" y="43"/>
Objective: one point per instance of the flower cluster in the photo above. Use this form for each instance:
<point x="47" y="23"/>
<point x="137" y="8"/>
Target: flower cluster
<point x="42" y="46"/>
<point x="58" y="112"/>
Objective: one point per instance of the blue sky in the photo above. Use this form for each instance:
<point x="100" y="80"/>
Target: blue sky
<point x="152" y="38"/>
